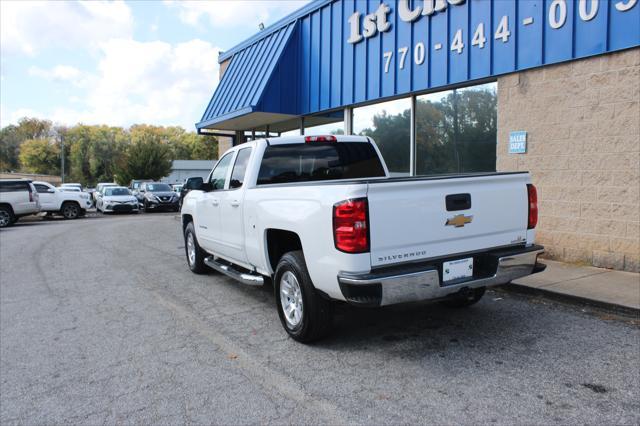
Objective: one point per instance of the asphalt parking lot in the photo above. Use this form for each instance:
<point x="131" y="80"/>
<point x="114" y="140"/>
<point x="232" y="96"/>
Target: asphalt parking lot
<point x="102" y="322"/>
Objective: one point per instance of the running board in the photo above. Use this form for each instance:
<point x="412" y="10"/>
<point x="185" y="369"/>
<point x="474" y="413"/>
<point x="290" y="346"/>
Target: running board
<point x="230" y="271"/>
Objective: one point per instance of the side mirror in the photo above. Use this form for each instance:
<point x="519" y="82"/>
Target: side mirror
<point x="195" y="183"/>
<point x="51" y="191"/>
<point x="206" y="187"/>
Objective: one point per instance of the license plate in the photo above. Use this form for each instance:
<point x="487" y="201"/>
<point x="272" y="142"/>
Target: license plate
<point x="457" y="269"/>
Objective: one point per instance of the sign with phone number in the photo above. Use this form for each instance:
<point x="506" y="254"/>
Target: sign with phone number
<point x="355" y="51"/>
<point x="559" y="14"/>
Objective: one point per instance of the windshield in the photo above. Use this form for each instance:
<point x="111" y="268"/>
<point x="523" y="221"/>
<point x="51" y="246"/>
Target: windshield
<point x="158" y="187"/>
<point x="116" y="191"/>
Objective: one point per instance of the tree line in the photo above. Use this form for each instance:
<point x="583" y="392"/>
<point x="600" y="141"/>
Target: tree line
<point x="99" y="153"/>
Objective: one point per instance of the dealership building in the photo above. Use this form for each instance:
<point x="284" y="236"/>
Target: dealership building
<point x="546" y="86"/>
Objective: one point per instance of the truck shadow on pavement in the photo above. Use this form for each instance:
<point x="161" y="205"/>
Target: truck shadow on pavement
<point x="424" y="327"/>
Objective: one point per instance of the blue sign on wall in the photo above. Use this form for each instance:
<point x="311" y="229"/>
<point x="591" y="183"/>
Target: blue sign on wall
<point x="518" y="142"/>
<point x="346" y="52"/>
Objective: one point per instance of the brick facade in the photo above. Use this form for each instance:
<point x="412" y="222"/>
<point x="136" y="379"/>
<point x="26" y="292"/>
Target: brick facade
<point x="583" y="124"/>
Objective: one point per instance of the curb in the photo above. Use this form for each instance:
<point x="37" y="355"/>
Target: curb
<point x="572" y="299"/>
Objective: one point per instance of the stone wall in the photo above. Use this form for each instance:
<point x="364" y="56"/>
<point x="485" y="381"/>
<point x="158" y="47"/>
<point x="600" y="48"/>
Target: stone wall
<point x="583" y="124"/>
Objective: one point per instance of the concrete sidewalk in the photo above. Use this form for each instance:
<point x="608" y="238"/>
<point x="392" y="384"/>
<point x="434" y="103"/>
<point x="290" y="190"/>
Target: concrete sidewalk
<point x="616" y="290"/>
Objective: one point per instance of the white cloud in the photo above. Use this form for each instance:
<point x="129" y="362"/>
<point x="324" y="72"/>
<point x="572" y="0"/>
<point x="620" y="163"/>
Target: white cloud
<point x="57" y="73"/>
<point x="229" y="14"/>
<point x="139" y="82"/>
<point x="30" y="26"/>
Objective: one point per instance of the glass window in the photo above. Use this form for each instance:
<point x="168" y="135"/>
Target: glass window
<point x="219" y="174"/>
<point x="158" y="187"/>
<point x="41" y="188"/>
<point x="116" y="191"/>
<point x="14" y="186"/>
<point x="294" y="132"/>
<point x="388" y="123"/>
<point x="456" y="131"/>
<point x="319" y="161"/>
<point x="331" y="123"/>
<point x="240" y="168"/>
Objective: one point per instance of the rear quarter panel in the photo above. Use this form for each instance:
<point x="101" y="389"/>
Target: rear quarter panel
<point x="306" y="210"/>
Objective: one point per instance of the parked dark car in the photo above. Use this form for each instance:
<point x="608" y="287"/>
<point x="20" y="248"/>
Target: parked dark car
<point x="189" y="184"/>
<point x="134" y="187"/>
<point x="158" y="196"/>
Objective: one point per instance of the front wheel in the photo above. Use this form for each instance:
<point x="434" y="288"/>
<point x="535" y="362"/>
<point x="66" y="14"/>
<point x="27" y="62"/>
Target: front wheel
<point x="70" y="210"/>
<point x="303" y="313"/>
<point x="195" y="255"/>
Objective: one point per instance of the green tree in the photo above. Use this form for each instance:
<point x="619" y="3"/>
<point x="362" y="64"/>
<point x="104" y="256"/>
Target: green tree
<point x="12" y="136"/>
<point x="40" y="156"/>
<point x="198" y="147"/>
<point x="147" y="157"/>
<point x="93" y="151"/>
<point x="9" y="148"/>
<point x="391" y="133"/>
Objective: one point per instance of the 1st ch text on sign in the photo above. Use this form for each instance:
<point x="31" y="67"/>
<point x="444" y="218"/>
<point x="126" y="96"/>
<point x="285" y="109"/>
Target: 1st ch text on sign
<point x="377" y="21"/>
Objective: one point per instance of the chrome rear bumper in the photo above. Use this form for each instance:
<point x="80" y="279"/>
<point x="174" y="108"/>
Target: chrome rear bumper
<point x="391" y="288"/>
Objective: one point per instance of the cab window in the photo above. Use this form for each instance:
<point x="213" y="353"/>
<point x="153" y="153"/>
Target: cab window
<point x="218" y="177"/>
<point x="240" y="168"/>
<point x="42" y="189"/>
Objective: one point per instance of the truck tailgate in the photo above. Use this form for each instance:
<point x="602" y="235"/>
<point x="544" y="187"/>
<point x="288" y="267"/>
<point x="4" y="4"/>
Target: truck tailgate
<point x="409" y="219"/>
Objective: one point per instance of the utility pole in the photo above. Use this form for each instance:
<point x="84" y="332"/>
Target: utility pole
<point x="62" y="156"/>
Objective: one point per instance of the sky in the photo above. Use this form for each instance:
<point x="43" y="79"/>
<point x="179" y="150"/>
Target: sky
<point x="120" y="63"/>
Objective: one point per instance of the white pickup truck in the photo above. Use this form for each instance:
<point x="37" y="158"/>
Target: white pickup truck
<point x="320" y="217"/>
<point x="70" y="205"/>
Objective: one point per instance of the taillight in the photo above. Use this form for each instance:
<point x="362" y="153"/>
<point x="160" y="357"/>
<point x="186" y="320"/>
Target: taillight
<point x="328" y="138"/>
<point x="351" y="226"/>
<point x="533" y="206"/>
<point x="30" y="197"/>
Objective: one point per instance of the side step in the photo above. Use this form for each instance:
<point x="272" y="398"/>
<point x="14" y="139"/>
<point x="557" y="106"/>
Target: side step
<point x="228" y="270"/>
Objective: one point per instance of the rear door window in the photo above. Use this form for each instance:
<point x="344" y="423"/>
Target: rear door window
<point x="14" y="186"/>
<point x="319" y="161"/>
<point x="240" y="168"/>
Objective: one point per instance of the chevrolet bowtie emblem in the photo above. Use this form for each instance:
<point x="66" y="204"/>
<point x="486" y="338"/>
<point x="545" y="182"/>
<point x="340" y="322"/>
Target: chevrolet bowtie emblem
<point x="459" y="221"/>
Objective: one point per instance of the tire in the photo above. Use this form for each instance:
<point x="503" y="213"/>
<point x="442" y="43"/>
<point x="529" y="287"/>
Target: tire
<point x="195" y="254"/>
<point x="70" y="210"/>
<point x="310" y="316"/>
<point x="6" y="217"/>
<point x="462" y="301"/>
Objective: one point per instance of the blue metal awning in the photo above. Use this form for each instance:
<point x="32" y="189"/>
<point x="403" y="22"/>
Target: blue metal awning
<point x="239" y="102"/>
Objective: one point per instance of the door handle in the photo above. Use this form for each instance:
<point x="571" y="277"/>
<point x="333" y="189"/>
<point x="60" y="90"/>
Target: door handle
<point x="215" y="202"/>
<point x="235" y="203"/>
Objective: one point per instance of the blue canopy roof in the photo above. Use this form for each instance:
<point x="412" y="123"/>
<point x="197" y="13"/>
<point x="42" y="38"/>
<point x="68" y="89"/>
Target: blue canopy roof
<point x="251" y="74"/>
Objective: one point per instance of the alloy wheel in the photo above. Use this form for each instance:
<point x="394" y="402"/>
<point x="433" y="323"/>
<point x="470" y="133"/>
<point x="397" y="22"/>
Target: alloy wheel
<point x="291" y="299"/>
<point x="191" y="249"/>
<point x="70" y="211"/>
<point x="5" y="218"/>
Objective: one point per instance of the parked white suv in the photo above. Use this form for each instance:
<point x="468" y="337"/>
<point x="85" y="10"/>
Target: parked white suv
<point x="18" y="198"/>
<point x="71" y="205"/>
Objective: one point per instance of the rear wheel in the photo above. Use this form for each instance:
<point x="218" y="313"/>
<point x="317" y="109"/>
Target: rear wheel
<point x="195" y="255"/>
<point x="70" y="210"/>
<point x="6" y="217"/>
<point x="469" y="298"/>
<point x="303" y="313"/>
